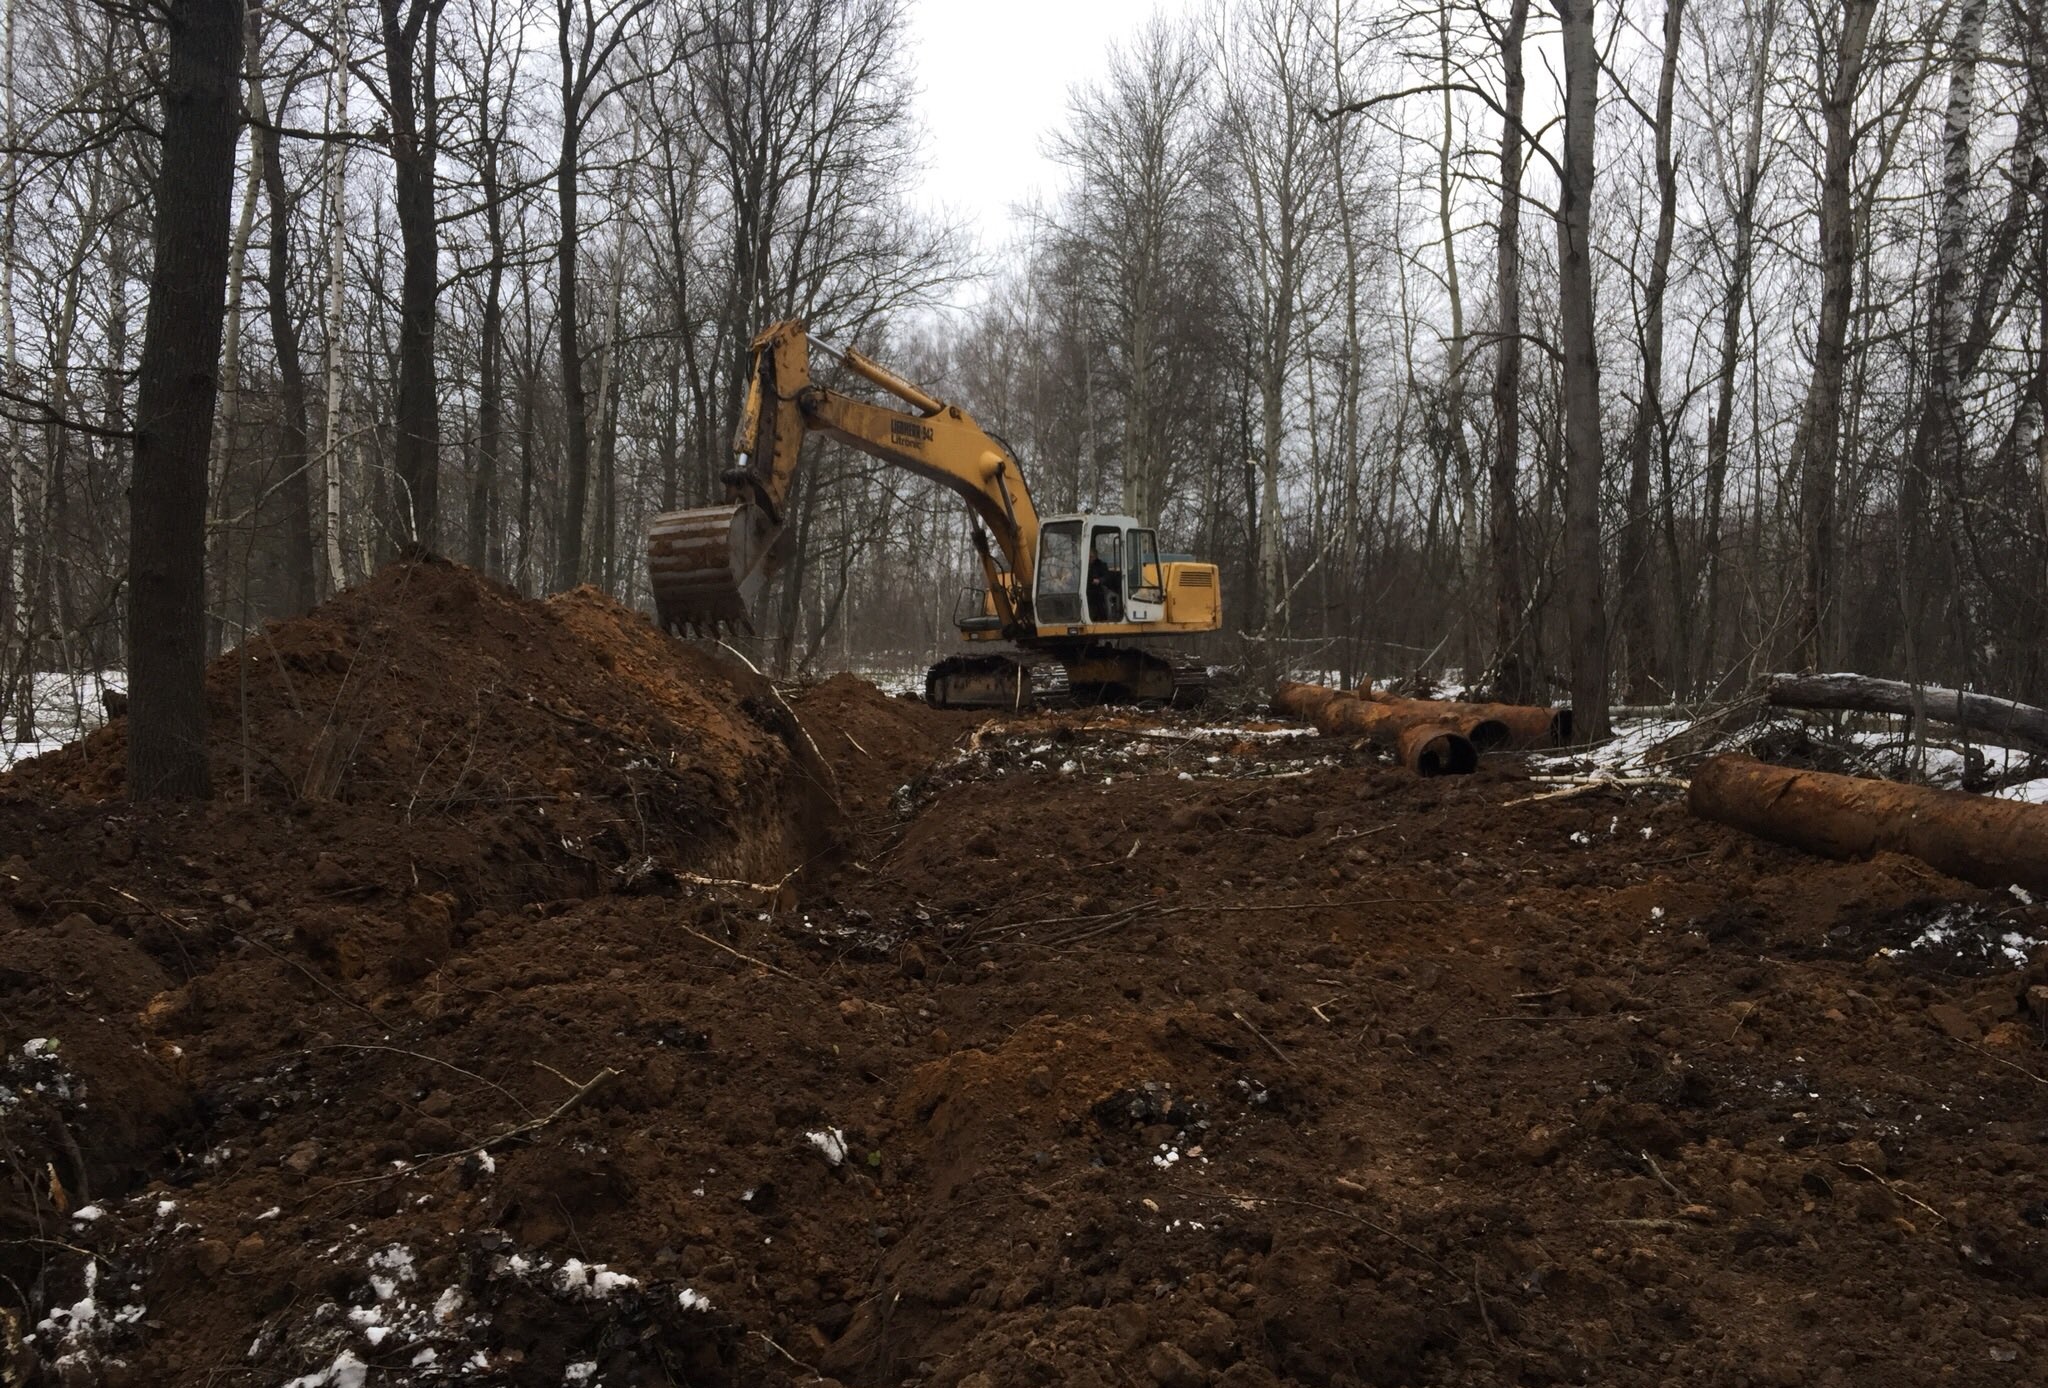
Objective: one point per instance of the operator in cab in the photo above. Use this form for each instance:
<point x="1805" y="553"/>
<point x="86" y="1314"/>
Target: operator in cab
<point x="1105" y="590"/>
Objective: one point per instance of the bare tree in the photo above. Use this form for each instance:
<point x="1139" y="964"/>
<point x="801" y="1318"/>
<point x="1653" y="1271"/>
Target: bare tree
<point x="586" y="39"/>
<point x="1818" y="443"/>
<point x="1742" y="239"/>
<point x="175" y="402"/>
<point x="411" y="30"/>
<point x="1139" y="151"/>
<point x="1638" y="638"/>
<point x="1271" y="90"/>
<point x="1585" y="613"/>
<point x="1515" y="672"/>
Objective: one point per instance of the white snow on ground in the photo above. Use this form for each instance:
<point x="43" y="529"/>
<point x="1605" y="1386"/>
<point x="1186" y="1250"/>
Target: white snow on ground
<point x="346" y="1371"/>
<point x="1629" y="754"/>
<point x="66" y="709"/>
<point x="1887" y="751"/>
<point x="894" y="679"/>
<point x="594" y="1280"/>
<point x="79" y="1331"/>
<point x="1245" y="734"/>
<point x="830" y="1141"/>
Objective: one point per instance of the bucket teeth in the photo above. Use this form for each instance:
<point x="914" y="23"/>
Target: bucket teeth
<point x="708" y="566"/>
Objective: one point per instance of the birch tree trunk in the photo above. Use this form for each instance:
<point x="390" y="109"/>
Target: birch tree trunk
<point x="1934" y="466"/>
<point x="337" y="300"/>
<point x="227" y="435"/>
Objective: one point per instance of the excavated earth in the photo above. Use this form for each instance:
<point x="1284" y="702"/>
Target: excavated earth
<point x="543" y="1001"/>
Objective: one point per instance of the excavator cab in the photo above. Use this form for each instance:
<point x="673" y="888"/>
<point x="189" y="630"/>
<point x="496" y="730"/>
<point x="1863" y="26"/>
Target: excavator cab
<point x="1097" y="571"/>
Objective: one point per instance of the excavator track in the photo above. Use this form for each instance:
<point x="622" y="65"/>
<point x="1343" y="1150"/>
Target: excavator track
<point x="1044" y="679"/>
<point x="1014" y="682"/>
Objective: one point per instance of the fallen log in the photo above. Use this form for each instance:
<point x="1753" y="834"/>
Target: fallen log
<point x="1994" y="843"/>
<point x="1989" y="718"/>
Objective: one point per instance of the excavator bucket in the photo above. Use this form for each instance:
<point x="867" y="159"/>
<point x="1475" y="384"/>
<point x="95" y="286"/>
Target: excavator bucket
<point x="709" y="566"/>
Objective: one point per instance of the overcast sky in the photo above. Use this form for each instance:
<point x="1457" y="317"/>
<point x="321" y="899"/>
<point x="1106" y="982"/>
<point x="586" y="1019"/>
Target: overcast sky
<point x="994" y="76"/>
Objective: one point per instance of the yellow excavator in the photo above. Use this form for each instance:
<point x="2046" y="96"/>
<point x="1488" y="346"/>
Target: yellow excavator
<point x="1072" y="607"/>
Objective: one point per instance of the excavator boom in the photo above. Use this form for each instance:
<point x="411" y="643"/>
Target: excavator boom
<point x="1070" y="612"/>
<point x="710" y="564"/>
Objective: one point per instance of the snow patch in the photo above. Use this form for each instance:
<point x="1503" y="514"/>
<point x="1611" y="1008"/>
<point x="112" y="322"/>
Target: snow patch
<point x="346" y="1371"/>
<point x="593" y="1280"/>
<point x="830" y="1141"/>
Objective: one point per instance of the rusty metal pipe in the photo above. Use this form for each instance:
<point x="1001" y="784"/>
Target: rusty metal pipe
<point x="1344" y="716"/>
<point x="1994" y="843"/>
<point x="1293" y="699"/>
<point x="1492" y="727"/>
<point x="1432" y="749"/>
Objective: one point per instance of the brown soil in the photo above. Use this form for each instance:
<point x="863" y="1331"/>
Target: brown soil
<point x="1099" y="1051"/>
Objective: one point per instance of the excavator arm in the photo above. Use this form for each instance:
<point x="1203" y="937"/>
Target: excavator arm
<point x="709" y="565"/>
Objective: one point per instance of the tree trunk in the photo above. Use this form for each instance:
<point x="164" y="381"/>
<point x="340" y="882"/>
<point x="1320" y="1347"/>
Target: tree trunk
<point x="485" y="546"/>
<point x="1817" y="444"/>
<point x="1934" y="465"/>
<point x="1744" y="236"/>
<point x="416" y="425"/>
<point x="177" y="385"/>
<point x="2002" y="721"/>
<point x="1466" y="530"/>
<point x="1637" y="634"/>
<point x="337" y="303"/>
<point x="529" y="389"/>
<point x="227" y="434"/>
<point x="300" y="566"/>
<point x="1514" y="662"/>
<point x="21" y="697"/>
<point x="1585" y="612"/>
<point x="575" y="405"/>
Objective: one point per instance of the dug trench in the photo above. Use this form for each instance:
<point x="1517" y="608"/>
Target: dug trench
<point x="552" y="1003"/>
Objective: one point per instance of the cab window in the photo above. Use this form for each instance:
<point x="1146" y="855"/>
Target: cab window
<point x="1146" y="577"/>
<point x="1106" y="575"/>
<point x="1059" y="573"/>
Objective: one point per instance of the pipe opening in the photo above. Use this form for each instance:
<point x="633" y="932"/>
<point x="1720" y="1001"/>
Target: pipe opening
<point x="1439" y="752"/>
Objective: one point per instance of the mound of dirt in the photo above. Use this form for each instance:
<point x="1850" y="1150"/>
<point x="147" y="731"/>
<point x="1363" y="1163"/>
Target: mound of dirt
<point x="397" y="774"/>
<point x="568" y="740"/>
<point x="877" y="743"/>
<point x="1118" y="1051"/>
